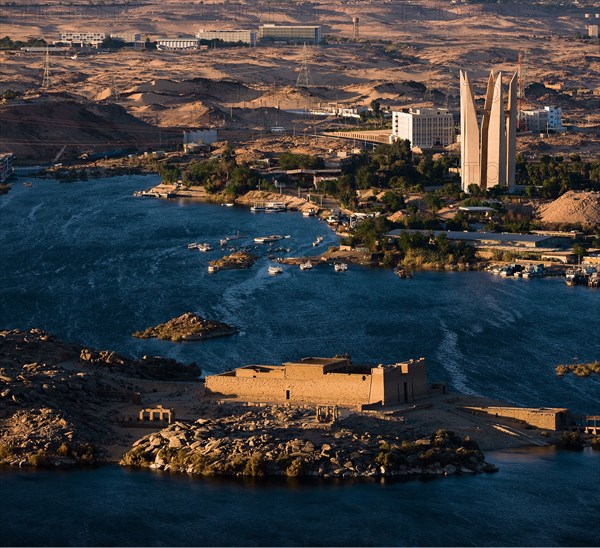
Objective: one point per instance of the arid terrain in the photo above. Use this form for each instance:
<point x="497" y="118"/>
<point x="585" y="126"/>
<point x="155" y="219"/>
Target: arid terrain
<point x="406" y="54"/>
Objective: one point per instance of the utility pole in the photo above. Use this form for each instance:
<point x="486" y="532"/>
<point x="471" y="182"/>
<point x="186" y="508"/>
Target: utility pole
<point x="46" y="80"/>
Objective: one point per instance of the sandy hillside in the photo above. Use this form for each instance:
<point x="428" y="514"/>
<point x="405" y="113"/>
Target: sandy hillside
<point x="407" y="54"/>
<point x="573" y="207"/>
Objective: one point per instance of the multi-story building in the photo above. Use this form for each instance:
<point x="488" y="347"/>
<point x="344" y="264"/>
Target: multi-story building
<point x="593" y="31"/>
<point x="541" y="119"/>
<point x="127" y="37"/>
<point x="6" y="165"/>
<point x="424" y="127"/>
<point x="229" y="36"/>
<point x="82" y="38"/>
<point x="177" y="43"/>
<point x="296" y="34"/>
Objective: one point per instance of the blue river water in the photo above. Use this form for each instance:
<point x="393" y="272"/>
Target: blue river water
<point x="90" y="263"/>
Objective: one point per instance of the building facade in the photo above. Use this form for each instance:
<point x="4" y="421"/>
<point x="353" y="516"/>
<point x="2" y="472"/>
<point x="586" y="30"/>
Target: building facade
<point x="6" y="165"/>
<point x="333" y="381"/>
<point x="488" y="137"/>
<point x="177" y="43"/>
<point x="296" y="34"/>
<point x="424" y="127"/>
<point x="541" y="119"/>
<point x="82" y="38"/>
<point x="229" y="36"/>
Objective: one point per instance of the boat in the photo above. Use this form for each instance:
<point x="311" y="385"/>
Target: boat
<point x="306" y="266"/>
<point x="223" y="241"/>
<point x="275" y="269"/>
<point x="193" y="245"/>
<point x="318" y="241"/>
<point x="309" y="212"/>
<point x="28" y="184"/>
<point x="340" y="267"/>
<point x="204" y="247"/>
<point x="275" y="207"/>
<point x="257" y="208"/>
<point x="594" y="280"/>
<point x="212" y="268"/>
<point x="267" y="239"/>
<point x="227" y="204"/>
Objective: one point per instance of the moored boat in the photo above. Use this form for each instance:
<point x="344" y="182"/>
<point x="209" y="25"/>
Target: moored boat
<point x="204" y="247"/>
<point x="267" y="239"/>
<point x="274" y="270"/>
<point x="306" y="266"/>
<point x="340" y="267"/>
<point x="212" y="268"/>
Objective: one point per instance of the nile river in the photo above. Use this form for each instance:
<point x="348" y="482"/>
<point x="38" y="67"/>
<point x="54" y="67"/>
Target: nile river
<point x="90" y="263"/>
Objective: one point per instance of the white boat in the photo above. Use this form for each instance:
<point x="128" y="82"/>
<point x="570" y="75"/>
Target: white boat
<point x="204" y="247"/>
<point x="306" y="266"/>
<point x="256" y="208"/>
<point x="318" y="241"/>
<point x="309" y="213"/>
<point x="193" y="245"/>
<point x="227" y="204"/>
<point x="223" y="242"/>
<point x="340" y="267"/>
<point x="274" y="207"/>
<point x="212" y="268"/>
<point x="267" y="239"/>
<point x="274" y="270"/>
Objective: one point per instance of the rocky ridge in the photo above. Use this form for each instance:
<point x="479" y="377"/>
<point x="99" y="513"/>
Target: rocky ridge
<point x="187" y="327"/>
<point x="280" y="441"/>
<point x="57" y="400"/>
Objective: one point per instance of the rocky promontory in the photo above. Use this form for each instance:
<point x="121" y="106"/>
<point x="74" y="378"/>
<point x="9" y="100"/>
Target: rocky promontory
<point x="280" y="441"/>
<point x="237" y="260"/>
<point x="59" y="401"/>
<point x="187" y="327"/>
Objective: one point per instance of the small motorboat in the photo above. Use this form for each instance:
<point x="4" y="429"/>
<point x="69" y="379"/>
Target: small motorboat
<point x="340" y="267"/>
<point x="193" y="245"/>
<point x="223" y="242"/>
<point x="212" y="268"/>
<point x="227" y="204"/>
<point x="306" y="266"/>
<point x="274" y="270"/>
<point x="204" y="247"/>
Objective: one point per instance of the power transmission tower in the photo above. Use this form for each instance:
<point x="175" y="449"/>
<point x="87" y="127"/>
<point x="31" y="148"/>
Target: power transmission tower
<point x="46" y="80"/>
<point x="304" y="73"/>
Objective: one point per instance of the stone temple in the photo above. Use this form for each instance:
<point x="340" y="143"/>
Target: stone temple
<point x="488" y="136"/>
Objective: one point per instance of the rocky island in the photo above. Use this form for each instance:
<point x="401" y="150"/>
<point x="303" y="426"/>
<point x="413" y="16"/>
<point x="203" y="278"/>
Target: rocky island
<point x="187" y="327"/>
<point x="237" y="260"/>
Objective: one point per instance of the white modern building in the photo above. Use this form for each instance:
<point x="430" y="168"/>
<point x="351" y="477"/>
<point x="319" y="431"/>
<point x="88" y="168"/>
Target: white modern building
<point x="424" y="127"/>
<point x="127" y="37"/>
<point x="82" y="38"/>
<point x="229" y="36"/>
<point x="296" y="34"/>
<point x="541" y="119"/>
<point x="186" y="43"/>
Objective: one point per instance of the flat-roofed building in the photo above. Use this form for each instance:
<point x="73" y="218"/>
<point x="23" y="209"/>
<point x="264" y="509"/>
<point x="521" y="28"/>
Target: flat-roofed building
<point x="6" y="165"/>
<point x="127" y="37"/>
<point x="487" y="239"/>
<point x="228" y="36"/>
<point x="290" y="34"/>
<point x="324" y="380"/>
<point x="82" y="38"/>
<point x="185" y="43"/>
<point x="424" y="127"/>
<point x="542" y="119"/>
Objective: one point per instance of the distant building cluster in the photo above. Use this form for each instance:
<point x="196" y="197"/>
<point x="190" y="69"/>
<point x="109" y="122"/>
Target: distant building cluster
<point x="424" y="127"/>
<point x="266" y="34"/>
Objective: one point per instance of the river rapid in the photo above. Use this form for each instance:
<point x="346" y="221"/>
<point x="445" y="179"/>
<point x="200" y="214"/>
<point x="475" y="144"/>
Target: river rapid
<point x="90" y="263"/>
